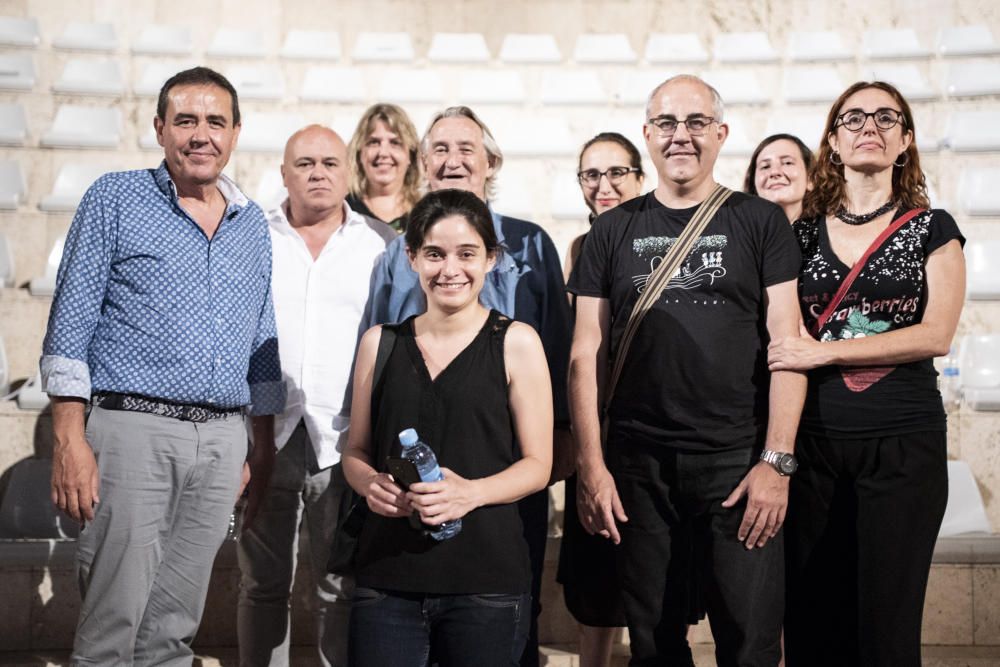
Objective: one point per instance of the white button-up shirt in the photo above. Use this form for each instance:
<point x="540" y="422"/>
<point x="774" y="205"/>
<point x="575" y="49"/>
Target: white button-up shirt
<point x="318" y="305"/>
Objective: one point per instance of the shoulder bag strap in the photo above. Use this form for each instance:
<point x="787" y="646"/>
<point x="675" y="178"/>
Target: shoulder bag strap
<point x="661" y="276"/>
<point x="385" y="344"/>
<point x="831" y="307"/>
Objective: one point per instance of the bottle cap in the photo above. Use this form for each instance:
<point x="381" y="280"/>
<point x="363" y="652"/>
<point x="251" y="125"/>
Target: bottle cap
<point x="408" y="437"/>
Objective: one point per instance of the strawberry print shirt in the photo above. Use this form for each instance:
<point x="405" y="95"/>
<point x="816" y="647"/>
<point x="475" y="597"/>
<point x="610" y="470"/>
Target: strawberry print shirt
<point x="890" y="293"/>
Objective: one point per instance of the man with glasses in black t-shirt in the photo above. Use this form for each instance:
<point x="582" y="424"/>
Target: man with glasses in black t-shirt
<point x="700" y="434"/>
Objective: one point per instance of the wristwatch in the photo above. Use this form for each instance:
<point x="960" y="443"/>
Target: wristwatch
<point x="783" y="462"/>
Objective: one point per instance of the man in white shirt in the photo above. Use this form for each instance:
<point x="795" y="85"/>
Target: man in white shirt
<point x="323" y="258"/>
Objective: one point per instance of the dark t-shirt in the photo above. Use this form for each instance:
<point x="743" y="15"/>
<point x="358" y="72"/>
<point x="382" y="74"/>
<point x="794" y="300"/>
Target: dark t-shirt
<point x="358" y="205"/>
<point x="696" y="374"/>
<point x="890" y="293"/>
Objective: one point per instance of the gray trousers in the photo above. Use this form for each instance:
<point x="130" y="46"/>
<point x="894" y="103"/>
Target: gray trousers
<point x="144" y="562"/>
<point x="298" y="493"/>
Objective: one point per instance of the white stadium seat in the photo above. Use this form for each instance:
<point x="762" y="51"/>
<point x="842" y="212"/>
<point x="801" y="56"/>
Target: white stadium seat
<point x="84" y="127"/>
<point x="30" y="396"/>
<point x="978" y="191"/>
<point x="234" y="43"/>
<point x="514" y="194"/>
<point x="739" y="143"/>
<point x="88" y="76"/>
<point x="383" y="47"/>
<point x="421" y="86"/>
<point x="636" y="85"/>
<point x="738" y="86"/>
<point x="744" y="47"/>
<point x="70" y="185"/>
<point x="270" y="191"/>
<point x="807" y="126"/>
<point x="13" y="125"/>
<point x="964" y="512"/>
<point x="681" y="48"/>
<point x="257" y="82"/>
<point x="267" y="132"/>
<point x="6" y="280"/>
<point x="909" y="79"/>
<point x="534" y="137"/>
<point x="311" y="45"/>
<point x="979" y="362"/>
<point x="967" y="40"/>
<point x="566" y="199"/>
<point x="973" y="131"/>
<point x="333" y="84"/>
<point x="581" y="86"/>
<point x="530" y="48"/>
<point x="163" y="40"/>
<point x="13" y="187"/>
<point x="814" y="84"/>
<point x="892" y="43"/>
<point x="817" y="46"/>
<point x="18" y="31"/>
<point x="491" y="86"/>
<point x="458" y="47"/>
<point x="982" y="282"/>
<point x="17" y="71"/>
<point x="154" y="75"/>
<point x="45" y="284"/>
<point x="974" y="79"/>
<point x="79" y="36"/>
<point x="603" y="48"/>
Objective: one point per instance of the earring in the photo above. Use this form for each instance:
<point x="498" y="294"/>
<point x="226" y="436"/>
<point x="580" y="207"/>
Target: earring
<point x="906" y="159"/>
<point x="835" y="159"/>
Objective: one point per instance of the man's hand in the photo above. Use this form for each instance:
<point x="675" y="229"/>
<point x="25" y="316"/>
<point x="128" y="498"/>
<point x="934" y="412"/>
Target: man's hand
<point x="258" y="468"/>
<point x="767" y="502"/>
<point x="598" y="504"/>
<point x="75" y="479"/>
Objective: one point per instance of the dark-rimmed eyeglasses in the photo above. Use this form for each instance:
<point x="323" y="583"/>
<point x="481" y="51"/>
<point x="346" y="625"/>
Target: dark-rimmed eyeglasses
<point x="855" y="119"/>
<point x="667" y="125"/>
<point x="591" y="177"/>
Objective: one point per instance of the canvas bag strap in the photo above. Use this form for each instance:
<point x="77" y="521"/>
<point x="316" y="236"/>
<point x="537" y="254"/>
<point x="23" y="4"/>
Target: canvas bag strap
<point x="661" y="276"/>
<point x="831" y="307"/>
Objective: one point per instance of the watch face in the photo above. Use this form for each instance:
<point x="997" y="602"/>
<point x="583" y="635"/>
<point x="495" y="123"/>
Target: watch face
<point x="787" y="464"/>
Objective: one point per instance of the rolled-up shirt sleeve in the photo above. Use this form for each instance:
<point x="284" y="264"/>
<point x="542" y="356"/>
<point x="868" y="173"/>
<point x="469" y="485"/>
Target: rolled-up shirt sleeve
<point x="81" y="284"/>
<point x="267" y="387"/>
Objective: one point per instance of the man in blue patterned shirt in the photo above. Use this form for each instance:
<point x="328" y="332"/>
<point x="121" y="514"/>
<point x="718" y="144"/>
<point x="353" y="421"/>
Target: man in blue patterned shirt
<point x="162" y="318"/>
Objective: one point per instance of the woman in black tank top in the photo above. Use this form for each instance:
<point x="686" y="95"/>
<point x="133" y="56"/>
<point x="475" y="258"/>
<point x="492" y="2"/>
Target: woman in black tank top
<point x="476" y="388"/>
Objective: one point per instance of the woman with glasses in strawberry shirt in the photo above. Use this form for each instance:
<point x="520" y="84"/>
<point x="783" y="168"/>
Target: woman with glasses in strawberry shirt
<point x="610" y="173"/>
<point x="867" y="500"/>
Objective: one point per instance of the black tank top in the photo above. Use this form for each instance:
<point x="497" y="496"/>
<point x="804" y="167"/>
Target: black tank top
<point x="464" y="416"/>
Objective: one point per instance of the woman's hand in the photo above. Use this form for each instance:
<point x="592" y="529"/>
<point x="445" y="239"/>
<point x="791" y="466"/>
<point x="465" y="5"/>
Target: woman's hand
<point x="385" y="497"/>
<point x="796" y="353"/>
<point x="450" y="498"/>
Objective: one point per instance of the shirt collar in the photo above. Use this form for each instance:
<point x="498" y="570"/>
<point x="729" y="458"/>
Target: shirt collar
<point x="230" y="191"/>
<point x="278" y="216"/>
<point x="497" y="223"/>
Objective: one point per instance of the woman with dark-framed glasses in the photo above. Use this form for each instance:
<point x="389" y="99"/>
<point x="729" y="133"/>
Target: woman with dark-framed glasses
<point x="881" y="290"/>
<point x="610" y="173"/>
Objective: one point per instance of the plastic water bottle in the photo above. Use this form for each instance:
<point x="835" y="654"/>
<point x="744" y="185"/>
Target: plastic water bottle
<point x="423" y="458"/>
<point x="950" y="383"/>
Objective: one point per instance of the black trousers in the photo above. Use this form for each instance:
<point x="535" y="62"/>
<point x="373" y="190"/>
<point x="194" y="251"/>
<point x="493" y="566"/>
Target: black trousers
<point x="863" y="518"/>
<point x="680" y="555"/>
<point x="534" y="510"/>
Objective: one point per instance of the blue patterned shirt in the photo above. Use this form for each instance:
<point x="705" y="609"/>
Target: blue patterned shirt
<point x="146" y="304"/>
<point x="526" y="285"/>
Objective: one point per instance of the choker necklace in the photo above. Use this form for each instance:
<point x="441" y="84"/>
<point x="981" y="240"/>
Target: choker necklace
<point x="852" y="219"/>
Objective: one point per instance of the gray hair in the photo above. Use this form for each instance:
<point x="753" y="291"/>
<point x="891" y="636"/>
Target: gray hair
<point x="489" y="143"/>
<point x="718" y="109"/>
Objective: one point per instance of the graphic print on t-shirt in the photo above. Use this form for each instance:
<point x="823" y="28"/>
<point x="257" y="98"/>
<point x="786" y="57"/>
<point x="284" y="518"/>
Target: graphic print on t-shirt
<point x="703" y="266"/>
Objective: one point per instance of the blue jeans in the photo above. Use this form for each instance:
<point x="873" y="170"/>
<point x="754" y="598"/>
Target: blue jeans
<point x="411" y="629"/>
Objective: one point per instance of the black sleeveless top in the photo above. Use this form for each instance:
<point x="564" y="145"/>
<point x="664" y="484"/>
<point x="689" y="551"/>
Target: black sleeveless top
<point x="464" y="416"/>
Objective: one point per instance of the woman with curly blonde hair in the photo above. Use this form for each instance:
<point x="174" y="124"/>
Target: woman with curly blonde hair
<point x="384" y="165"/>
<point x="881" y="290"/>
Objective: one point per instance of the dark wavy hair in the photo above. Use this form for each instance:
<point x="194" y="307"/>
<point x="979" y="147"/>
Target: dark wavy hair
<point x="749" y="184"/>
<point x="909" y="187"/>
<point x="441" y="204"/>
<point x="196" y="76"/>
<point x="614" y="138"/>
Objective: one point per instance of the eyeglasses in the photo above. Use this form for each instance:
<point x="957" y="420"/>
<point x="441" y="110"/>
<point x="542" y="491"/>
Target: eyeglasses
<point x="695" y="125"/>
<point x="591" y="177"/>
<point x="855" y="119"/>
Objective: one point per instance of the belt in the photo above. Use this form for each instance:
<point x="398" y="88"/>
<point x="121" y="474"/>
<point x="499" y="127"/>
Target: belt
<point x="154" y="406"/>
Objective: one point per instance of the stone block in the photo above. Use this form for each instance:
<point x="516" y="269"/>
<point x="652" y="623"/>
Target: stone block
<point x="15" y="603"/>
<point x="986" y="605"/>
<point x="948" y="606"/>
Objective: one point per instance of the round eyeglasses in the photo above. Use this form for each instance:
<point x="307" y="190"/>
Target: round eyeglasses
<point x="695" y="125"/>
<point x="855" y="119"/>
<point x="591" y="177"/>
